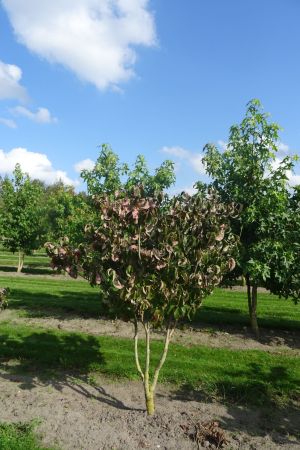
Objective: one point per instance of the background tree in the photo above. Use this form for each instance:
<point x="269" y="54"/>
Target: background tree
<point x="109" y="175"/>
<point x="248" y="173"/>
<point x="21" y="221"/>
<point x="162" y="261"/>
<point x="285" y="261"/>
<point x="66" y="213"/>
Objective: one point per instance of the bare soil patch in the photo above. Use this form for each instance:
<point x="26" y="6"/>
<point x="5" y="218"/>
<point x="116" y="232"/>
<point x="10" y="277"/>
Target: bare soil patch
<point x="111" y="416"/>
<point x="271" y="341"/>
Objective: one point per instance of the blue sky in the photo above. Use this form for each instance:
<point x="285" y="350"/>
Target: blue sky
<point x="160" y="77"/>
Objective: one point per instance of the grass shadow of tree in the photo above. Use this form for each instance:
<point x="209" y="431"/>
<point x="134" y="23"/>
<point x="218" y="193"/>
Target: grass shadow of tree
<point x="252" y="406"/>
<point x="41" y="303"/>
<point x="31" y="269"/>
<point x="56" y="360"/>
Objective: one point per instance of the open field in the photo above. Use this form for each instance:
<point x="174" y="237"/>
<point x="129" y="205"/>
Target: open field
<point x="64" y="365"/>
<point x="241" y="376"/>
<point x="38" y="263"/>
<point x="37" y="296"/>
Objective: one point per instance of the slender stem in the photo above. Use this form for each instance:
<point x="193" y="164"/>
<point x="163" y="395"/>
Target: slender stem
<point x="163" y="356"/>
<point x="21" y="261"/>
<point x="136" y="352"/>
<point x="249" y="294"/>
<point x="254" y="323"/>
<point x="139" y="242"/>
<point x="147" y="365"/>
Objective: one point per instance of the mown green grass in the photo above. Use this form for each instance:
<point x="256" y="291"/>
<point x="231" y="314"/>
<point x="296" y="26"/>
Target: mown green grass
<point x="19" y="436"/>
<point x="243" y="376"/>
<point x="230" y="307"/>
<point x="36" y="296"/>
<point x="37" y="263"/>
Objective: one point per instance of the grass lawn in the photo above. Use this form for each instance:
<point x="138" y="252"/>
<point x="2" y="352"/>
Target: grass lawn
<point x="19" y="436"/>
<point x="242" y="376"/>
<point x="38" y="263"/>
<point x="36" y="296"/>
<point x="226" y="306"/>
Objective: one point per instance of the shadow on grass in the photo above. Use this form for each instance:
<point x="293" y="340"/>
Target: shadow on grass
<point x="254" y="386"/>
<point x="87" y="304"/>
<point x="64" y="358"/>
<point x="257" y="404"/>
<point x="281" y="425"/>
<point x="30" y="269"/>
<point x="219" y="315"/>
<point x="45" y="304"/>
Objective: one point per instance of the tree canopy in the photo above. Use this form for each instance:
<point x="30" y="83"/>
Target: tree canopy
<point x="110" y="175"/>
<point x="158" y="262"/>
<point x="250" y="173"/>
<point x="21" y="221"/>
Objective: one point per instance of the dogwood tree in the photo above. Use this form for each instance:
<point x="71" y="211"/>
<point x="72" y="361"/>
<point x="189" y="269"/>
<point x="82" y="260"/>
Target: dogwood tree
<point x="161" y="262"/>
<point x="4" y="292"/>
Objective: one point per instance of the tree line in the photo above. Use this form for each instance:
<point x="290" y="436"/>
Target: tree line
<point x="248" y="174"/>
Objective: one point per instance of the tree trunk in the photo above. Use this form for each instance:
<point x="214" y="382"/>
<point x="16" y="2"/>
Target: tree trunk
<point x="149" y="397"/>
<point x="149" y="388"/>
<point x="21" y="261"/>
<point x="252" y="306"/>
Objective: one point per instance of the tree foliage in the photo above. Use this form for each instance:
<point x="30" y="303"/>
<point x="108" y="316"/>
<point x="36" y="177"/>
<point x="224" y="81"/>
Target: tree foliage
<point x="66" y="213"/>
<point x="21" y="221"/>
<point x="110" y="175"/>
<point x="159" y="262"/>
<point x="4" y="292"/>
<point x="249" y="173"/>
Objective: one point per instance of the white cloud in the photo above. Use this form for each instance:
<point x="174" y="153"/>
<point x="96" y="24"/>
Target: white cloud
<point x="42" y="115"/>
<point x="86" y="164"/>
<point x="223" y="145"/>
<point x="283" y="148"/>
<point x="189" y="190"/>
<point x="93" y="38"/>
<point x="10" y="87"/>
<point x="293" y="179"/>
<point x="37" y="165"/>
<point x="193" y="159"/>
<point x="8" y="122"/>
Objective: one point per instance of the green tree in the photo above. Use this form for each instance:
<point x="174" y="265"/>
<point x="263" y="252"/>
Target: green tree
<point x="162" y="262"/>
<point x="249" y="174"/>
<point x="21" y="216"/>
<point x="285" y="261"/>
<point x="66" y="213"/>
<point x="110" y="175"/>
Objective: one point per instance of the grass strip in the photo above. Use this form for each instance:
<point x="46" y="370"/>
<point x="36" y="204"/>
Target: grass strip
<point x="19" y="436"/>
<point x="242" y="376"/>
<point x="38" y="296"/>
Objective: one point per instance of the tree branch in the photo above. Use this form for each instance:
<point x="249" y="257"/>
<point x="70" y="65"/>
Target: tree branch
<point x="169" y="334"/>
<point x="136" y="353"/>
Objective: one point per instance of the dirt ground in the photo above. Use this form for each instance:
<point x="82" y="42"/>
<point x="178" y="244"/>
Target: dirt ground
<point x="212" y="336"/>
<point x="110" y="416"/>
<point x="75" y="415"/>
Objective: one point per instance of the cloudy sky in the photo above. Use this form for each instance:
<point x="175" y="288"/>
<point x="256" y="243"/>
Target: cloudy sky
<point x="159" y="77"/>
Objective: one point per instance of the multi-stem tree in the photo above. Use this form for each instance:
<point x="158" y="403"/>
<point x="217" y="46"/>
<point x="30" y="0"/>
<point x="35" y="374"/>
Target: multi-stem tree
<point x="161" y="262"/>
<point x="249" y="174"/>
